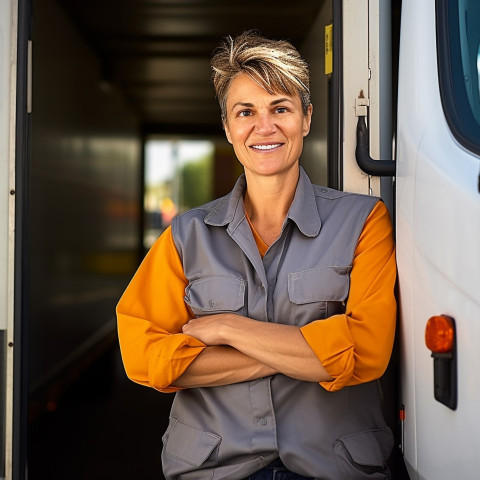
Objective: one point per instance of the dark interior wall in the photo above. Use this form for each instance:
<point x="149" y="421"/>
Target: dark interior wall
<point x="84" y="196"/>
<point x="314" y="157"/>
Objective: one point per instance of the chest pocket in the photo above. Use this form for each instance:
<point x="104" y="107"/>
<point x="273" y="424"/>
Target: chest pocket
<point x="216" y="294"/>
<point x="318" y="293"/>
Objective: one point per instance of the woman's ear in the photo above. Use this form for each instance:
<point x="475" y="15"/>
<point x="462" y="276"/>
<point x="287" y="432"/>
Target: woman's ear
<point x="227" y="131"/>
<point x="307" y="120"/>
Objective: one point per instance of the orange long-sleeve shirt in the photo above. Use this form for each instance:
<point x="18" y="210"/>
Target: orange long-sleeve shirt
<point x="354" y="347"/>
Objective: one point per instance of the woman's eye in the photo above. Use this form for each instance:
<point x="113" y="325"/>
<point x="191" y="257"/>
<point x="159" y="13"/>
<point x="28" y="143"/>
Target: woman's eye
<point x="281" y="109"/>
<point x="244" y="113"/>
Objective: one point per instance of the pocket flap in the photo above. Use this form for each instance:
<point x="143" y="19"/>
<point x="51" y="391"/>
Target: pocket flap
<point x="212" y="294"/>
<point x="329" y="284"/>
<point x="190" y="444"/>
<point x="370" y="448"/>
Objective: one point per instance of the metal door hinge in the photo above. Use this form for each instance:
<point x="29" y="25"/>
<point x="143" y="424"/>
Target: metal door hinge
<point x="361" y="104"/>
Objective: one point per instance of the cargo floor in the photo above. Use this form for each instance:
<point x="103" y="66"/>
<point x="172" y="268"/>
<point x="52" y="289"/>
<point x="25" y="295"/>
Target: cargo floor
<point x="104" y="427"/>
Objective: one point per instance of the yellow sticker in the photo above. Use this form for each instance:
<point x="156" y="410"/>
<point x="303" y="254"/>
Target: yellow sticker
<point x="328" y="49"/>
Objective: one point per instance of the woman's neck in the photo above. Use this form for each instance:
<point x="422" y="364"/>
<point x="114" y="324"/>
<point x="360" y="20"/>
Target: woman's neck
<point x="267" y="201"/>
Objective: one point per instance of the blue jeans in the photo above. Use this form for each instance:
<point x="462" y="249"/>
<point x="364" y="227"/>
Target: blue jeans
<point x="276" y="471"/>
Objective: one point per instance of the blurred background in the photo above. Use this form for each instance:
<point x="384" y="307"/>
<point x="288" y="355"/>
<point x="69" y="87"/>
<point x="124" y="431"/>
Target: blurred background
<point x="125" y="134"/>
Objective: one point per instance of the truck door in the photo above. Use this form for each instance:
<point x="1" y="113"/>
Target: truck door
<point x="438" y="232"/>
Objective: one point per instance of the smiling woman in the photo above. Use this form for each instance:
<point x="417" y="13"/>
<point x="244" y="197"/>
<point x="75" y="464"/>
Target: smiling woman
<point x="266" y="131"/>
<point x="270" y="312"/>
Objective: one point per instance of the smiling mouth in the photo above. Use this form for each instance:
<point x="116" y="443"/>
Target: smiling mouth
<point x="266" y="147"/>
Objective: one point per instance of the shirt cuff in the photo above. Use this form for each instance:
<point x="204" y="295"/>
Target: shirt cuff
<point x="177" y="352"/>
<point x="333" y="344"/>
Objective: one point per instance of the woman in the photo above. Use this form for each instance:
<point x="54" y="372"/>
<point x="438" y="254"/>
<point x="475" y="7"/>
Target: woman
<point x="269" y="311"/>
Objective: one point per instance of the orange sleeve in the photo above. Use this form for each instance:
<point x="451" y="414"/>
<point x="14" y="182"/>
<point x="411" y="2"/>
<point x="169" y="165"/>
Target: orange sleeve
<point x="150" y="316"/>
<point x="355" y="347"/>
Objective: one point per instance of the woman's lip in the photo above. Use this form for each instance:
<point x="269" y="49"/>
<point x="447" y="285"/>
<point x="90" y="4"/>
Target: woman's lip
<point x="265" y="147"/>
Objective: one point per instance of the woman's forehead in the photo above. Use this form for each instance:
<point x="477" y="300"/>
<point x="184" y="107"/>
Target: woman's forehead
<point x="245" y="89"/>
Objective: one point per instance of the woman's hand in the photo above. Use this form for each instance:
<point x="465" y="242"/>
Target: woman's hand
<point x="209" y="329"/>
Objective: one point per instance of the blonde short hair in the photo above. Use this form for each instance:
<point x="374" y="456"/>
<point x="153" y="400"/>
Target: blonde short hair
<point x="275" y="65"/>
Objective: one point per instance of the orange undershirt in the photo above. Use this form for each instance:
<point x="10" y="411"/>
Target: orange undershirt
<point x="261" y="245"/>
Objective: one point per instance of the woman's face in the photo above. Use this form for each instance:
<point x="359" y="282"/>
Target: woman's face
<point x="266" y="131"/>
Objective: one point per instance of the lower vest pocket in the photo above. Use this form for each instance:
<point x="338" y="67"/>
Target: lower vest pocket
<point x="187" y="448"/>
<point x="364" y="455"/>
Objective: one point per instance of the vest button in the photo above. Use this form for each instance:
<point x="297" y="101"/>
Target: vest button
<point x="263" y="421"/>
<point x="211" y="303"/>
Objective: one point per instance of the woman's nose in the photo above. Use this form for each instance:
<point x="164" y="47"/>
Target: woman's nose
<point x="265" y="124"/>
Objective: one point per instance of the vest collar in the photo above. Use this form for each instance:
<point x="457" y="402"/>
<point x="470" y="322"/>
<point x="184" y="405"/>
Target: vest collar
<point x="229" y="210"/>
<point x="303" y="210"/>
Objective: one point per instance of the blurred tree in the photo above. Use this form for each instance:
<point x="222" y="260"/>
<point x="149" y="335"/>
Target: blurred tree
<point x="196" y="182"/>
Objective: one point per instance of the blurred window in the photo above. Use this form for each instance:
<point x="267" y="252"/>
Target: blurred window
<point x="178" y="177"/>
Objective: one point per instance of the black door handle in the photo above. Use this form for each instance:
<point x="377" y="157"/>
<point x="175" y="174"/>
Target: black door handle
<point x="378" y="168"/>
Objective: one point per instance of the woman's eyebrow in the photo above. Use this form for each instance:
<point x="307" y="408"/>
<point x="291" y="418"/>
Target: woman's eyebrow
<point x="281" y="100"/>
<point x="251" y="105"/>
<point x="243" y="104"/>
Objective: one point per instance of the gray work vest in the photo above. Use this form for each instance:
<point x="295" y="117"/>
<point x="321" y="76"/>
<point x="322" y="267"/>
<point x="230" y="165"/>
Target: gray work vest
<point x="232" y="431"/>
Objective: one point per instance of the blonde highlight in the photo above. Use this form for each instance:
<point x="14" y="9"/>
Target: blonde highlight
<point x="275" y="65"/>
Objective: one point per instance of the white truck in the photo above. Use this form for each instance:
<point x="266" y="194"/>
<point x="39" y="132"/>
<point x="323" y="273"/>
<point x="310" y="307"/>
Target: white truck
<point x="438" y="229"/>
<point x="436" y="205"/>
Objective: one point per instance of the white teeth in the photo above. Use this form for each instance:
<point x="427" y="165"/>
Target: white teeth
<point x="266" y="147"/>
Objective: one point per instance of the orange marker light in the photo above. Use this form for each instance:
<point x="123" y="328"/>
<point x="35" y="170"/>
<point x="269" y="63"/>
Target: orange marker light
<point x="439" y="334"/>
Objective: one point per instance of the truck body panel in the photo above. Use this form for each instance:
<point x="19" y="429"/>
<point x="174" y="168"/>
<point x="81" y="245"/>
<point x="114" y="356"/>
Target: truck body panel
<point x="437" y="232"/>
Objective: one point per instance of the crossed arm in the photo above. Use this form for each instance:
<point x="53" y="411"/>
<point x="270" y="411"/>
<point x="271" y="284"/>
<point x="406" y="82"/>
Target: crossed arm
<point x="241" y="349"/>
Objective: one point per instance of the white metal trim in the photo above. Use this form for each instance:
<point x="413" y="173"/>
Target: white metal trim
<point x="356" y="74"/>
<point x="11" y="244"/>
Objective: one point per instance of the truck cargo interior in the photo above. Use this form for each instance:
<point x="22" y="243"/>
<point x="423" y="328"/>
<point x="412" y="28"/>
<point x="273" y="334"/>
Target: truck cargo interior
<point x="123" y="118"/>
